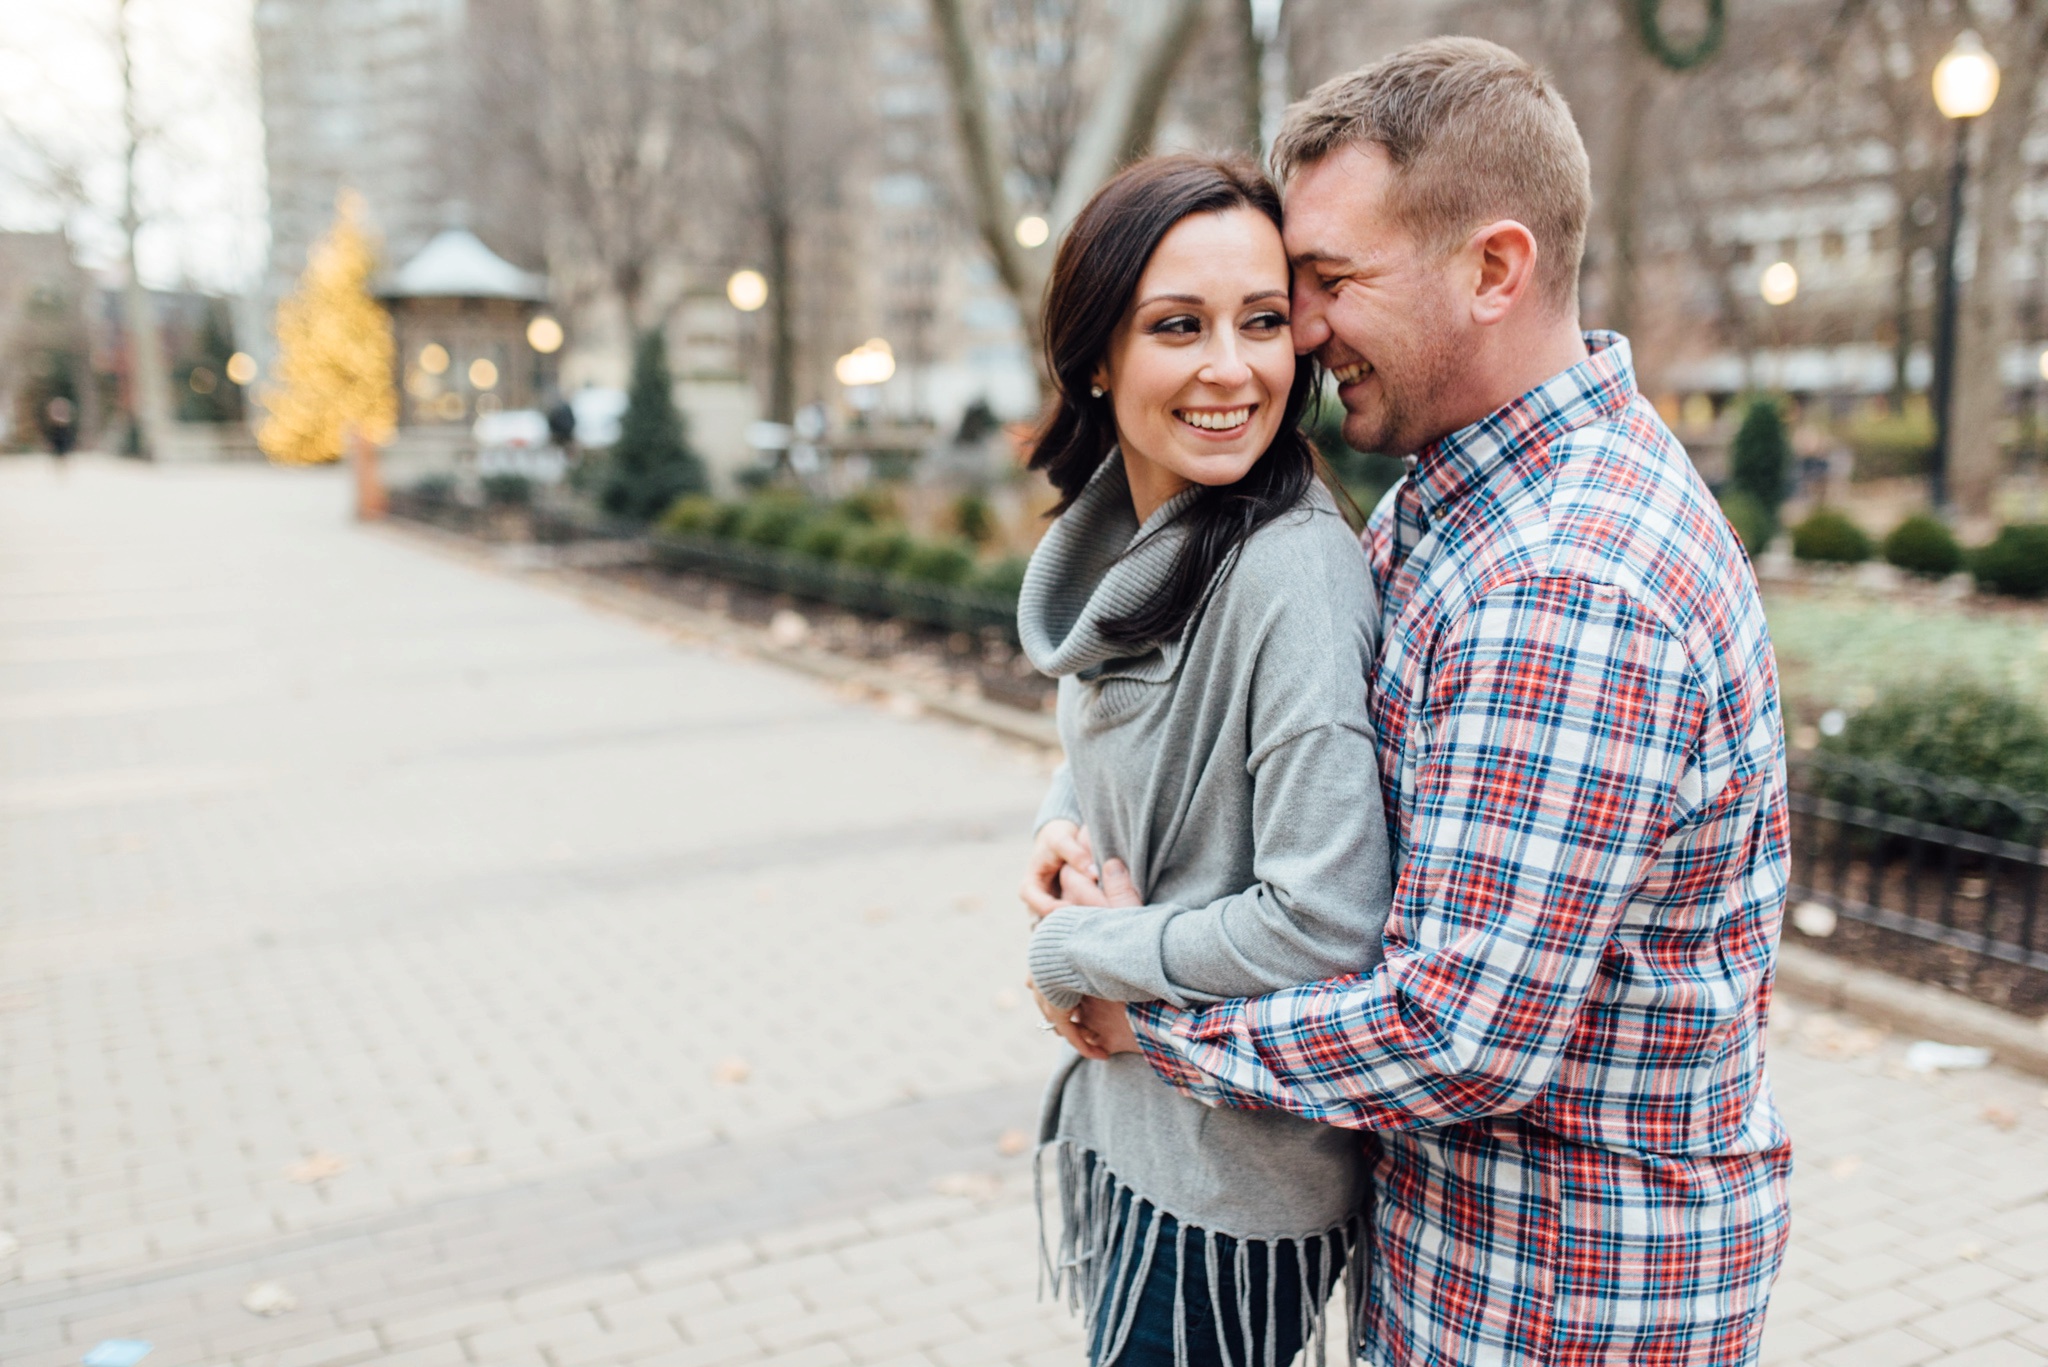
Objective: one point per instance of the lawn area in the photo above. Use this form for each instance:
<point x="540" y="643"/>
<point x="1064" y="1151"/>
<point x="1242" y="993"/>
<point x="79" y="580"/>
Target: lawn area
<point x="1840" y="647"/>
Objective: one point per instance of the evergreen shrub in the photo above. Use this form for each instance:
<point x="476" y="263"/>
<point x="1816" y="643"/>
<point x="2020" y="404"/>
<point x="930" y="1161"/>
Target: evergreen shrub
<point x="823" y="539"/>
<point x="1924" y="545"/>
<point x="2015" y="563"/>
<point x="692" y="514"/>
<point x="1753" y="526"/>
<point x="1004" y="578"/>
<point x="1958" y="729"/>
<point x="651" y="465"/>
<point x="1830" y="538"/>
<point x="774" y="521"/>
<point x="973" y="518"/>
<point x="1760" y="457"/>
<point x="876" y="548"/>
<point x="937" y="562"/>
<point x="507" y="490"/>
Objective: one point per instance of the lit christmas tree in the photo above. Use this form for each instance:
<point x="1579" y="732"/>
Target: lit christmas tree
<point x="334" y="352"/>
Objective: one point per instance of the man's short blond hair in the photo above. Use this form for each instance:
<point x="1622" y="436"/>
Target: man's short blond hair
<point x="1475" y="133"/>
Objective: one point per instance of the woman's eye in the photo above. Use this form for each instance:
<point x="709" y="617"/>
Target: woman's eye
<point x="1180" y="325"/>
<point x="1265" y="322"/>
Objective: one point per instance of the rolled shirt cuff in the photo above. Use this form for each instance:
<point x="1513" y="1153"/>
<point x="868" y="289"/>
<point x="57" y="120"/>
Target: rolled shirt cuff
<point x="1052" y="969"/>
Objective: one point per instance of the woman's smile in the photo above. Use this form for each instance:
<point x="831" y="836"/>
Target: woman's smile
<point x="1219" y="423"/>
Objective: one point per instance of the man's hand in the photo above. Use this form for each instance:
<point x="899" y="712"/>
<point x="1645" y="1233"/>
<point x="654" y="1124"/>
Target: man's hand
<point x="1067" y="1024"/>
<point x="1106" y="1026"/>
<point x="1115" y="890"/>
<point x="1060" y="845"/>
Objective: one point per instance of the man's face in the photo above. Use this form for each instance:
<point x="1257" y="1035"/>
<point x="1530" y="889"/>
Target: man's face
<point x="1377" y="309"/>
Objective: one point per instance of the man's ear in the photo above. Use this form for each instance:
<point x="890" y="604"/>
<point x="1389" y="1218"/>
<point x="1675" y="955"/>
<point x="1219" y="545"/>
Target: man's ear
<point x="1504" y="255"/>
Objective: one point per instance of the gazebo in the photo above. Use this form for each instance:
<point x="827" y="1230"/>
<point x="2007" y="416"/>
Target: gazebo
<point x="463" y="318"/>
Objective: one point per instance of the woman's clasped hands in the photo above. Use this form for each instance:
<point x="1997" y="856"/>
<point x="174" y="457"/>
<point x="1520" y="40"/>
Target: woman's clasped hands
<point x="1064" y="873"/>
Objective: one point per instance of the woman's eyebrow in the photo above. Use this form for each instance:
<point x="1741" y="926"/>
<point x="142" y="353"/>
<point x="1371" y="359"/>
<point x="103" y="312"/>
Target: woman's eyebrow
<point x="1170" y="299"/>
<point x="1257" y="295"/>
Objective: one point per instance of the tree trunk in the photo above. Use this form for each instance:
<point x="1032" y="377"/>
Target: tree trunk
<point x="1154" y="37"/>
<point x="1984" y="324"/>
<point x="149" y="394"/>
<point x="986" y="152"/>
<point x="781" y="320"/>
<point x="1251" y="76"/>
<point x="1625" y="203"/>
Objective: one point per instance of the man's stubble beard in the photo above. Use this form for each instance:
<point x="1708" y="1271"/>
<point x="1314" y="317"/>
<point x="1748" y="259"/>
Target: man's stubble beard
<point x="1412" y="393"/>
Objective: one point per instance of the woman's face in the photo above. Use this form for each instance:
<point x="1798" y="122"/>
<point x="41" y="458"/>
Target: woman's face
<point x="1200" y="367"/>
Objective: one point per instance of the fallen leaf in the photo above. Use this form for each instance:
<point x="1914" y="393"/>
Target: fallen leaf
<point x="1970" y="1253"/>
<point x="1006" y="1000"/>
<point x="732" y="1072"/>
<point x="268" y="1299"/>
<point x="2000" y="1117"/>
<point x="1845" y="1166"/>
<point x="317" y="1166"/>
<point x="1010" y="1143"/>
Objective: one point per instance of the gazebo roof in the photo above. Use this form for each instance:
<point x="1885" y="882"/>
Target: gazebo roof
<point x="457" y="265"/>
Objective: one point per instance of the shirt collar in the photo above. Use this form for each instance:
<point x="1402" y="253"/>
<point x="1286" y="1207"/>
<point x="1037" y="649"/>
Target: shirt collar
<point x="1596" y="388"/>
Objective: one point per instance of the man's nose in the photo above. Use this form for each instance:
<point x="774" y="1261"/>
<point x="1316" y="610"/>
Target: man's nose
<point x="1311" y="329"/>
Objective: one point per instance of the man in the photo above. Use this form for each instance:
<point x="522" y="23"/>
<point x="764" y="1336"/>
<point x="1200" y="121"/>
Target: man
<point x="1582" y="756"/>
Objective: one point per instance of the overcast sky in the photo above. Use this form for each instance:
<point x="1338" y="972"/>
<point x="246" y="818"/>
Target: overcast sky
<point x="201" y="172"/>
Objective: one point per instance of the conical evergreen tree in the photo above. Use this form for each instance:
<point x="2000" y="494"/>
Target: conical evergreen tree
<point x="334" y="352"/>
<point x="1760" y="457"/>
<point x="651" y="465"/>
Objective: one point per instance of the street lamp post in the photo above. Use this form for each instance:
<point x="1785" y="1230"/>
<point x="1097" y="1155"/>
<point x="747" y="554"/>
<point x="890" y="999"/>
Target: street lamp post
<point x="1965" y="84"/>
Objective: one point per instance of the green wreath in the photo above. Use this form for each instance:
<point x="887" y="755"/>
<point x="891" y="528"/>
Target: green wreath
<point x="1681" y="59"/>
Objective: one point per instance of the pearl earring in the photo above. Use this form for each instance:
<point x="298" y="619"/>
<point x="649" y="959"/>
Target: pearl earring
<point x="1096" y="391"/>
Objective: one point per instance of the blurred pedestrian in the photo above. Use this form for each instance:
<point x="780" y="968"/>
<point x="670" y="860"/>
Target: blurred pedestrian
<point x="60" y="427"/>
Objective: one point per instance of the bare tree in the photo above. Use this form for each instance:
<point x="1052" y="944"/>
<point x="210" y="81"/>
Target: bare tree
<point x="1150" y="40"/>
<point x="149" y="384"/>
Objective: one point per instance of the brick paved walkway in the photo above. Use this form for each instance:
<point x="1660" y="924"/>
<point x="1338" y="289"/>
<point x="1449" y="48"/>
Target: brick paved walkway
<point x="510" y="985"/>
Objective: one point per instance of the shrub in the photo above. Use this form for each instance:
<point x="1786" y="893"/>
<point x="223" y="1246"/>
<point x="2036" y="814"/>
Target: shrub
<point x="773" y="521"/>
<point x="1923" y="544"/>
<point x="824" y="539"/>
<point x="651" y="464"/>
<point x="435" y="489"/>
<point x="1959" y="729"/>
<point x="1830" y="538"/>
<point x="870" y="507"/>
<point x="876" y="548"/>
<point x="973" y="518"/>
<point x="1753" y="526"/>
<point x="726" y="522"/>
<point x="692" y="514"/>
<point x="1891" y="447"/>
<point x="1005" y="578"/>
<point x="937" y="562"/>
<point x="1760" y="457"/>
<point x="507" y="490"/>
<point x="2016" y="562"/>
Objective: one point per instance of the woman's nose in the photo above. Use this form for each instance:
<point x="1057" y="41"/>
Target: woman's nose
<point x="1225" y="367"/>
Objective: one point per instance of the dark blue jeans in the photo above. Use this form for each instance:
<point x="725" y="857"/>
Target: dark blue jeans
<point x="1150" y="1343"/>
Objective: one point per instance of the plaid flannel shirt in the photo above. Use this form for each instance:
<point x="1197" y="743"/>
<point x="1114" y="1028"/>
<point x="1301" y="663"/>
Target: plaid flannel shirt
<point x="1563" y="1054"/>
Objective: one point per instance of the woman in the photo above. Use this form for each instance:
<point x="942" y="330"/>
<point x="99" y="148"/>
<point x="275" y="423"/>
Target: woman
<point x="1210" y="620"/>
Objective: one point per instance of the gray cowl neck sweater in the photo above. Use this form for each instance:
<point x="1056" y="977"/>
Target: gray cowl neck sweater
<point x="1234" y="769"/>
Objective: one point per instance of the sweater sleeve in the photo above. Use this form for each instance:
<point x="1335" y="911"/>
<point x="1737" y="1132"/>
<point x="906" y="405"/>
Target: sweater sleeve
<point x="1302" y="624"/>
<point x="1060" y="804"/>
<point x="1317" y="911"/>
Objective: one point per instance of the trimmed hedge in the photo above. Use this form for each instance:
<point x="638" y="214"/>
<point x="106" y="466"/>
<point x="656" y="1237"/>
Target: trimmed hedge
<point x="1959" y="730"/>
<point x="1924" y="545"/>
<point x="2015" y="563"/>
<point x="1754" y="527"/>
<point x="1830" y="538"/>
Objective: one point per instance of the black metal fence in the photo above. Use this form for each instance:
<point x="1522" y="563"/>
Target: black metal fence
<point x="1953" y="867"/>
<point x="846" y="586"/>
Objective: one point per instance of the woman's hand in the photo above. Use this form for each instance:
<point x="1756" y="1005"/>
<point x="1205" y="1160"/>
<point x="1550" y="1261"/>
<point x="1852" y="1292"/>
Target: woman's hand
<point x="1060" y="845"/>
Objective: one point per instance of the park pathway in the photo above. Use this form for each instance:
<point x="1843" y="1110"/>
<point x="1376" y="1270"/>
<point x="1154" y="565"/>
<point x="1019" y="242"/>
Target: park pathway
<point x="402" y="963"/>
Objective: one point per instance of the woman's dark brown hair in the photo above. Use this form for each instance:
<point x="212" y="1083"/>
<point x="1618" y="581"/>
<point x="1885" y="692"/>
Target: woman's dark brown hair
<point x="1094" y="281"/>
